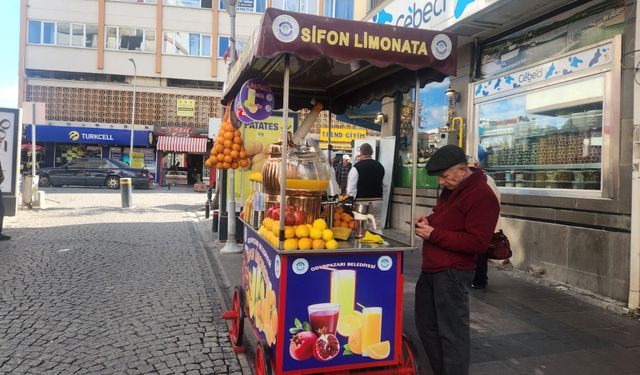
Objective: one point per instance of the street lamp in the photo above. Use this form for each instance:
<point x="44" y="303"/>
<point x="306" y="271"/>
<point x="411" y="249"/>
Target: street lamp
<point x="133" y="111"/>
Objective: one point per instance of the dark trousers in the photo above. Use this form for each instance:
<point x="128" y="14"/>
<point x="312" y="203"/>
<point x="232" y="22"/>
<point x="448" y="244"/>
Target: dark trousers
<point x="480" y="278"/>
<point x="442" y="319"/>
<point x="1" y="211"/>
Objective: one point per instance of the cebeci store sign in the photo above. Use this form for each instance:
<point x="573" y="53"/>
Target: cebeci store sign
<point x="65" y="134"/>
<point x="435" y="15"/>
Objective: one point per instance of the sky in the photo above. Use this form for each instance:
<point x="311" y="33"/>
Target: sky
<point x="10" y="29"/>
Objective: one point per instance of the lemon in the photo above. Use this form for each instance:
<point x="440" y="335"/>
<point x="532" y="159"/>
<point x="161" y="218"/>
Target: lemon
<point x="267" y="222"/>
<point x="309" y="226"/>
<point x="331" y="245"/>
<point x="289" y="232"/>
<point x="320" y="224"/>
<point x="348" y="324"/>
<point x="318" y="244"/>
<point x="302" y="231"/>
<point x="275" y="227"/>
<point x="327" y="235"/>
<point x="304" y="243"/>
<point x="315" y="233"/>
<point x="380" y="350"/>
<point x="291" y="244"/>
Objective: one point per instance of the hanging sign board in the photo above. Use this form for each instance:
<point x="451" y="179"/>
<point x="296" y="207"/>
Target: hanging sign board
<point x="186" y="108"/>
<point x="342" y="135"/>
<point x="256" y="99"/>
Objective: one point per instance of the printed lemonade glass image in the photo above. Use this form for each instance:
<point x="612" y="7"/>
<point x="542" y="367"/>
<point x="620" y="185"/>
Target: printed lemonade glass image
<point x="371" y="328"/>
<point x="343" y="293"/>
<point x="323" y="317"/>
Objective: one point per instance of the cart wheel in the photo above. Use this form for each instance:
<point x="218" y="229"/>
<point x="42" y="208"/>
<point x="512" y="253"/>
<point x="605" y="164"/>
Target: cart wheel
<point x="263" y="362"/>
<point x="409" y="363"/>
<point x="237" y="323"/>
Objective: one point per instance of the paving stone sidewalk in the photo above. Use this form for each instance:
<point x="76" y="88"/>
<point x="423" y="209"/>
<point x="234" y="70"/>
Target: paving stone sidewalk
<point x="89" y="288"/>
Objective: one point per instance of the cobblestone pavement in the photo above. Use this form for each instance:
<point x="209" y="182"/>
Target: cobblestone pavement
<point x="88" y="287"/>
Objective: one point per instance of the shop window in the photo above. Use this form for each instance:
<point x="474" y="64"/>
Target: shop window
<point x="190" y="3"/>
<point x="433" y="114"/>
<point x="549" y="138"/>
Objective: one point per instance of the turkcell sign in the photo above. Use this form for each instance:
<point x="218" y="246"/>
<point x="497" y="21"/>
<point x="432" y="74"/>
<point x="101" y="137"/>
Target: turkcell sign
<point x="69" y="134"/>
<point x="435" y="15"/>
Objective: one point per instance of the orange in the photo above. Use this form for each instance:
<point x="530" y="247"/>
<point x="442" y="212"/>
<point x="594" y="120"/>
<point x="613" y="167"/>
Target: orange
<point x="219" y="165"/>
<point x="234" y="154"/>
<point x="346" y="224"/>
<point x="337" y="223"/>
<point x="244" y="163"/>
<point x="336" y="217"/>
<point x="355" y="341"/>
<point x="234" y="165"/>
<point x="339" y="210"/>
<point x="226" y="151"/>
<point x="318" y="244"/>
<point x="227" y="126"/>
<point x="237" y="140"/>
<point x="243" y="154"/>
<point x="304" y="243"/>
<point x="346" y="217"/>
<point x="228" y="159"/>
<point x="236" y="133"/>
<point x="226" y="165"/>
<point x="220" y="157"/>
<point x="235" y="147"/>
<point x="227" y="143"/>
<point x="219" y="148"/>
<point x="380" y="350"/>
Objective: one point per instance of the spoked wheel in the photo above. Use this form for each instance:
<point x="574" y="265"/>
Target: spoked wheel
<point x="409" y="363"/>
<point x="112" y="182"/>
<point x="263" y="362"/>
<point x="44" y="180"/>
<point x="237" y="323"/>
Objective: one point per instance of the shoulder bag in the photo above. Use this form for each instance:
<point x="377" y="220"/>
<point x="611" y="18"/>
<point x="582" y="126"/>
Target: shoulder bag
<point x="499" y="247"/>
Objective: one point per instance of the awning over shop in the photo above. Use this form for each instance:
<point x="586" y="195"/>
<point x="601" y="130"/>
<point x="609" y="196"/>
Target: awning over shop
<point x="341" y="63"/>
<point x="182" y="144"/>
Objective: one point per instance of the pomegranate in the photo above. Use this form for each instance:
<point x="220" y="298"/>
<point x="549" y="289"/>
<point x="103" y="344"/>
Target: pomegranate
<point x="301" y="346"/>
<point x="299" y="216"/>
<point x="326" y="347"/>
<point x="289" y="218"/>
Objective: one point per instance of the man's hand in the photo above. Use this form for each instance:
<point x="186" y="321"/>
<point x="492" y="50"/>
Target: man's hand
<point x="423" y="230"/>
<point x="420" y="220"/>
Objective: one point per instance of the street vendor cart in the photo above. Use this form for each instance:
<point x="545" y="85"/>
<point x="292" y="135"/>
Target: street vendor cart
<point x="325" y="306"/>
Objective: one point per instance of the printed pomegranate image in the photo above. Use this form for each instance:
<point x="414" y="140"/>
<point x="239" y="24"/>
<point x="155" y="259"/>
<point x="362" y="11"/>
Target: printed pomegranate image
<point x="326" y="347"/>
<point x="301" y="346"/>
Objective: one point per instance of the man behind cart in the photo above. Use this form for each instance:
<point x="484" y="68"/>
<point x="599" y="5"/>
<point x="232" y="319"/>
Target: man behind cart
<point x="459" y="228"/>
<point x="364" y="182"/>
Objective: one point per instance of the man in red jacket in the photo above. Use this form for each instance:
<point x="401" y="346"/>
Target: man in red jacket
<point x="459" y="228"/>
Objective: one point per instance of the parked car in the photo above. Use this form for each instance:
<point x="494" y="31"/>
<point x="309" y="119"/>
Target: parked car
<point x="91" y="171"/>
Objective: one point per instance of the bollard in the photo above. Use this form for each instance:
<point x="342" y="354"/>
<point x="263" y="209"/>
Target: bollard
<point x="126" y="195"/>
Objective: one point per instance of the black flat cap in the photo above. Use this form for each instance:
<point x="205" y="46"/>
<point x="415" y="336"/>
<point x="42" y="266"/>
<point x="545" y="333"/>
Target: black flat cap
<point x="445" y="158"/>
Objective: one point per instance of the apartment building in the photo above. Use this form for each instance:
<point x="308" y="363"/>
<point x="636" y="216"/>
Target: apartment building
<point x="87" y="59"/>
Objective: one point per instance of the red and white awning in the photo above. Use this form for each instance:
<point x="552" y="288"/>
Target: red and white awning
<point x="182" y="144"/>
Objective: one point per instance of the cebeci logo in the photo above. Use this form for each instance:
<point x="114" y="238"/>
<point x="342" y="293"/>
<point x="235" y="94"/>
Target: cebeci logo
<point x="285" y="28"/>
<point x="441" y="46"/>
<point x="74" y="135"/>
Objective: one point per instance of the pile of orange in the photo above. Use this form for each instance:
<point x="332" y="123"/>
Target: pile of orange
<point x="228" y="150"/>
<point x="343" y="219"/>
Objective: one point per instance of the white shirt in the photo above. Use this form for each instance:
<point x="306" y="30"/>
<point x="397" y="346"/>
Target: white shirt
<point x="352" y="182"/>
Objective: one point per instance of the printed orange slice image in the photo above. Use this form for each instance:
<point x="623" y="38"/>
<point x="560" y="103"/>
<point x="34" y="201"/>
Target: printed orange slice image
<point x="355" y="341"/>
<point x="380" y="350"/>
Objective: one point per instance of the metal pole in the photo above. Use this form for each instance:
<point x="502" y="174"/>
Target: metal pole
<point x="283" y="162"/>
<point x="133" y="111"/>
<point x="33" y="142"/>
<point x="414" y="152"/>
<point x="634" y="250"/>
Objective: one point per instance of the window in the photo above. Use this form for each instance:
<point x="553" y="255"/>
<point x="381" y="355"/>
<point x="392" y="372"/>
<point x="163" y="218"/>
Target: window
<point x="62" y="34"/>
<point x="339" y="9"/>
<point x="130" y="39"/>
<point x="190" y="3"/>
<point x="550" y="138"/>
<point x="257" y="6"/>
<point x="301" y="6"/>
<point x="77" y="164"/>
<point x="91" y="36"/>
<point x="138" y="1"/>
<point x="187" y="44"/>
<point x="223" y="44"/>
<point x="99" y="164"/>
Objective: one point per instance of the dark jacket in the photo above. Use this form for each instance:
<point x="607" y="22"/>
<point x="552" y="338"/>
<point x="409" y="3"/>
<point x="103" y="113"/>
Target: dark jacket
<point x="463" y="220"/>
<point x="370" y="176"/>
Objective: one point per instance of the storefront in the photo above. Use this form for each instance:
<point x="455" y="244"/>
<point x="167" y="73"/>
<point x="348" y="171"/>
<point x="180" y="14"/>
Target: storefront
<point x="62" y="144"/>
<point x="547" y="108"/>
<point x="181" y="159"/>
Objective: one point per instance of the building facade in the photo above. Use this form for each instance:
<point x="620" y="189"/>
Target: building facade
<point x="545" y="91"/>
<point x="87" y="59"/>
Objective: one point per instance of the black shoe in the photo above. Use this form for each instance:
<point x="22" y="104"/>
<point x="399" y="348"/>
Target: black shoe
<point x="478" y="286"/>
<point x="4" y="237"/>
